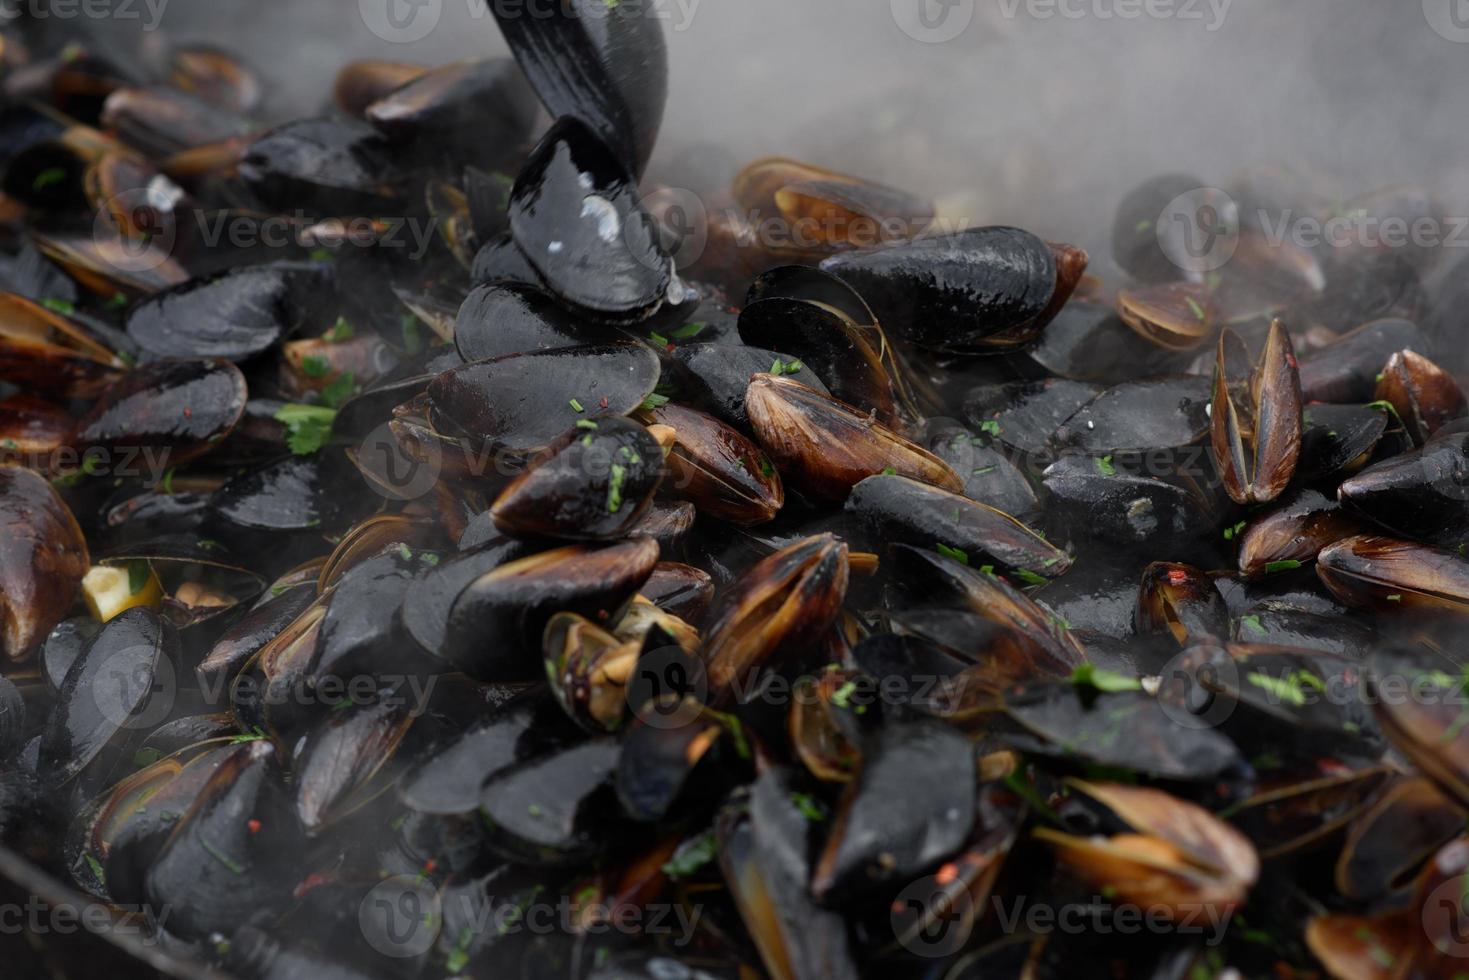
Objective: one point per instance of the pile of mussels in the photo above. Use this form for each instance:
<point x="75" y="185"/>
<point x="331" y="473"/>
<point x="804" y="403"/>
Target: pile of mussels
<point x="822" y="608"/>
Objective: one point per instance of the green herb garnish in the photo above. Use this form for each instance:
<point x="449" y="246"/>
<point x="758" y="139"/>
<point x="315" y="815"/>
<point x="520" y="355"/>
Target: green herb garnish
<point x="692" y="855"/>
<point x="1105" y="467"/>
<point x="1287" y="565"/>
<point x="139" y="572"/>
<point x="614" y="488"/>
<point x="960" y="556"/>
<point x="576" y="406"/>
<point x="315" y="367"/>
<point x="1106" y="681"/>
<point x="308" y="427"/>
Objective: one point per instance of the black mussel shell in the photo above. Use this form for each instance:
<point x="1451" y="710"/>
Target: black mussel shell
<point x="1096" y="498"/>
<point x="1136" y="237"/>
<point x="899" y="509"/>
<point x="43" y="556"/>
<point x="1338" y="440"/>
<point x="361" y="636"/>
<point x="555" y="809"/>
<point x="495" y="624"/>
<point x="607" y="66"/>
<point x="522" y="402"/>
<point x="715" y="376"/>
<point x="111" y="688"/>
<point x="231" y="853"/>
<point x="1025" y="415"/>
<point x="169" y="411"/>
<point x="953" y="292"/>
<point x="477" y="109"/>
<point x="1346" y="370"/>
<point x="451" y="773"/>
<point x="912" y="804"/>
<point x="1419" y="494"/>
<point x="576" y="215"/>
<point x="1140" y="416"/>
<point x="234" y="315"/>
<point x="336" y="166"/>
<point x="502" y="318"/>
<point x="593" y="484"/>
<point x="428" y="599"/>
<point x="342" y="765"/>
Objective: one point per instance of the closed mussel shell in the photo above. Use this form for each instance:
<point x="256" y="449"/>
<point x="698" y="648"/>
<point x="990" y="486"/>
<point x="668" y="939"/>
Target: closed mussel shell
<point x="176" y="409"/>
<point x="722" y="472"/>
<point x="592" y="484"/>
<point x="1387" y="575"/>
<point x="43" y="557"/>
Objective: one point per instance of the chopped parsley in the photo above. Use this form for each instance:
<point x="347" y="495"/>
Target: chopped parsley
<point x="948" y="552"/>
<point x="308" y="427"/>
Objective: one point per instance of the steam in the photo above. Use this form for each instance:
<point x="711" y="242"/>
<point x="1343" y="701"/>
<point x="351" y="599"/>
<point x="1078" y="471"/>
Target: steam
<point x="1041" y="113"/>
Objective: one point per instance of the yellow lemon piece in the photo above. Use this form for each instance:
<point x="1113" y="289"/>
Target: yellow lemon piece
<point x="111" y="590"/>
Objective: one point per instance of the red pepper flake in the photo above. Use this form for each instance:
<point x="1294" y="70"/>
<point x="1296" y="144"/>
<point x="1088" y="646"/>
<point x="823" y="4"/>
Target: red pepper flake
<point x="188" y="413"/>
<point x="313" y="881"/>
<point x="670" y="348"/>
<point x="603" y="402"/>
<point x="1177" y="576"/>
<point x="429" y="866"/>
<point x="1291" y="360"/>
<point x="948" y="874"/>
<point x="254" y="826"/>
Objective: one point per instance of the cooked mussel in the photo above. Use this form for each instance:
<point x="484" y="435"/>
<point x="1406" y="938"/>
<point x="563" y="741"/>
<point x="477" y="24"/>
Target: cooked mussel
<point x="1387" y="575"/>
<point x="1256" y="423"/>
<point x="1423" y="395"/>
<point x="955" y="292"/>
<point x="43" y="557"/>
<point x="591" y="484"/>
<point x="826" y="447"/>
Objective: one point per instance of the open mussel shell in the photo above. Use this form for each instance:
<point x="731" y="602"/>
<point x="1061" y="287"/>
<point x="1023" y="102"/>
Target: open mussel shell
<point x="115" y="838"/>
<point x="1294" y="533"/>
<point x="522" y="402"/>
<point x="896" y="508"/>
<point x="1345" y="371"/>
<point x="248" y="633"/>
<point x="43" y="556"/>
<point x="1387" y="845"/>
<point x="173" y="411"/>
<point x="831" y="329"/>
<point x="123" y="681"/>
<point x="1180" y="600"/>
<point x="1387" y="575"/>
<point x="763" y="852"/>
<point x="605" y="66"/>
<point x="912" y="805"/>
<point x="461" y="108"/>
<point x="49" y="354"/>
<point x="825" y="447"/>
<point x="789" y="598"/>
<point x="556" y="809"/>
<point x="722" y="472"/>
<point x="589" y="670"/>
<point x="954" y="292"/>
<point x="232" y="852"/>
<point x="1255" y="423"/>
<point x="1171" y="855"/>
<point x="592" y="484"/>
<point x="196" y="580"/>
<point x="1424" y="395"/>
<point x="575" y="213"/>
<point x="1176" y="317"/>
<point x="496" y="624"/>
<point x="233" y="315"/>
